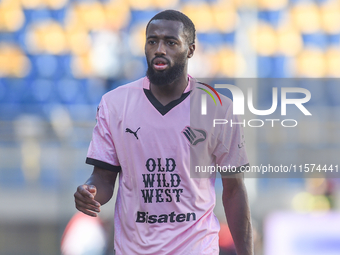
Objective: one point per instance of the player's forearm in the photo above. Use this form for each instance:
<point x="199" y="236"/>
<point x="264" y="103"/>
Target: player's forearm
<point x="238" y="216"/>
<point x="104" y="188"/>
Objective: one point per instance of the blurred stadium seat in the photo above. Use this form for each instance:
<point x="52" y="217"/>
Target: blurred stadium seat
<point x="318" y="40"/>
<point x="70" y="91"/>
<point x="271" y="17"/>
<point x="42" y="90"/>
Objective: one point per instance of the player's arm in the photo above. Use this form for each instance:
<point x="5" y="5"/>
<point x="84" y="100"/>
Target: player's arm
<point x="97" y="191"/>
<point x="236" y="209"/>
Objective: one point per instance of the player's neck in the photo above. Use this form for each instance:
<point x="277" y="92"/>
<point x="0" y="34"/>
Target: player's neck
<point x="170" y="92"/>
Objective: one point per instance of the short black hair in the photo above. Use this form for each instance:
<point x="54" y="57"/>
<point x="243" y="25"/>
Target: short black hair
<point x="189" y="27"/>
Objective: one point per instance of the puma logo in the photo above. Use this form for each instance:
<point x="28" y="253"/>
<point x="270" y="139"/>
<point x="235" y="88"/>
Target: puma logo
<point x="128" y="130"/>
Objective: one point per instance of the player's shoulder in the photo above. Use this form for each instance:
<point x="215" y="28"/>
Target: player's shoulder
<point x="125" y="91"/>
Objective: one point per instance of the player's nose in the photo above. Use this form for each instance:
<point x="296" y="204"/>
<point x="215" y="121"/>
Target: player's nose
<point x="161" y="49"/>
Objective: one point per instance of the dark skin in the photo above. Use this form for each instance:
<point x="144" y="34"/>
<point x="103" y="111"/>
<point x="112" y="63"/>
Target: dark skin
<point x="236" y="207"/>
<point x="96" y="191"/>
<point x="167" y="39"/>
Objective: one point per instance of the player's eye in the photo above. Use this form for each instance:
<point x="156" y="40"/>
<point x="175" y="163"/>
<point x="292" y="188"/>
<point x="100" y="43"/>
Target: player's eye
<point x="151" y="42"/>
<point x="171" y="43"/>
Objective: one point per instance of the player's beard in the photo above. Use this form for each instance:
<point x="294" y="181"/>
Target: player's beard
<point x="161" y="78"/>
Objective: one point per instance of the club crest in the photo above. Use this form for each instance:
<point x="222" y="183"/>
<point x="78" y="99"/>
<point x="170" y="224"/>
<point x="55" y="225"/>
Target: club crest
<point x="194" y="135"/>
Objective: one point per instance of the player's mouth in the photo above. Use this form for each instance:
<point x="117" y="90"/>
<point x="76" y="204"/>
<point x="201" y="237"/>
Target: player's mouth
<point x="160" y="64"/>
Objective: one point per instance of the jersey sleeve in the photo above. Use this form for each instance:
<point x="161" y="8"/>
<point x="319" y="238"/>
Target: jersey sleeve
<point x="102" y="151"/>
<point x="230" y="150"/>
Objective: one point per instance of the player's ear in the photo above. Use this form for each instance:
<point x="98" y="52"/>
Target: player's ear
<point x="191" y="50"/>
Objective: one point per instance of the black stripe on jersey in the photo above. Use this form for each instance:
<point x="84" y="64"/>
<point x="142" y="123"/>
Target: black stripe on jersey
<point x="103" y="165"/>
<point x="192" y="134"/>
<point x="187" y="135"/>
<point x="164" y="109"/>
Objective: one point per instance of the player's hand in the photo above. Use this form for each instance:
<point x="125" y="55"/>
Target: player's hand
<point x="84" y="199"/>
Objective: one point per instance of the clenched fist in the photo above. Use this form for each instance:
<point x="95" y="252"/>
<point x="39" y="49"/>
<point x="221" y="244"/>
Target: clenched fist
<point x="84" y="199"/>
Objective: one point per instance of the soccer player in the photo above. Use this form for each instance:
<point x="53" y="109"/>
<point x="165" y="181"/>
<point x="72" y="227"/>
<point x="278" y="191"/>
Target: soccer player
<point x="144" y="133"/>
